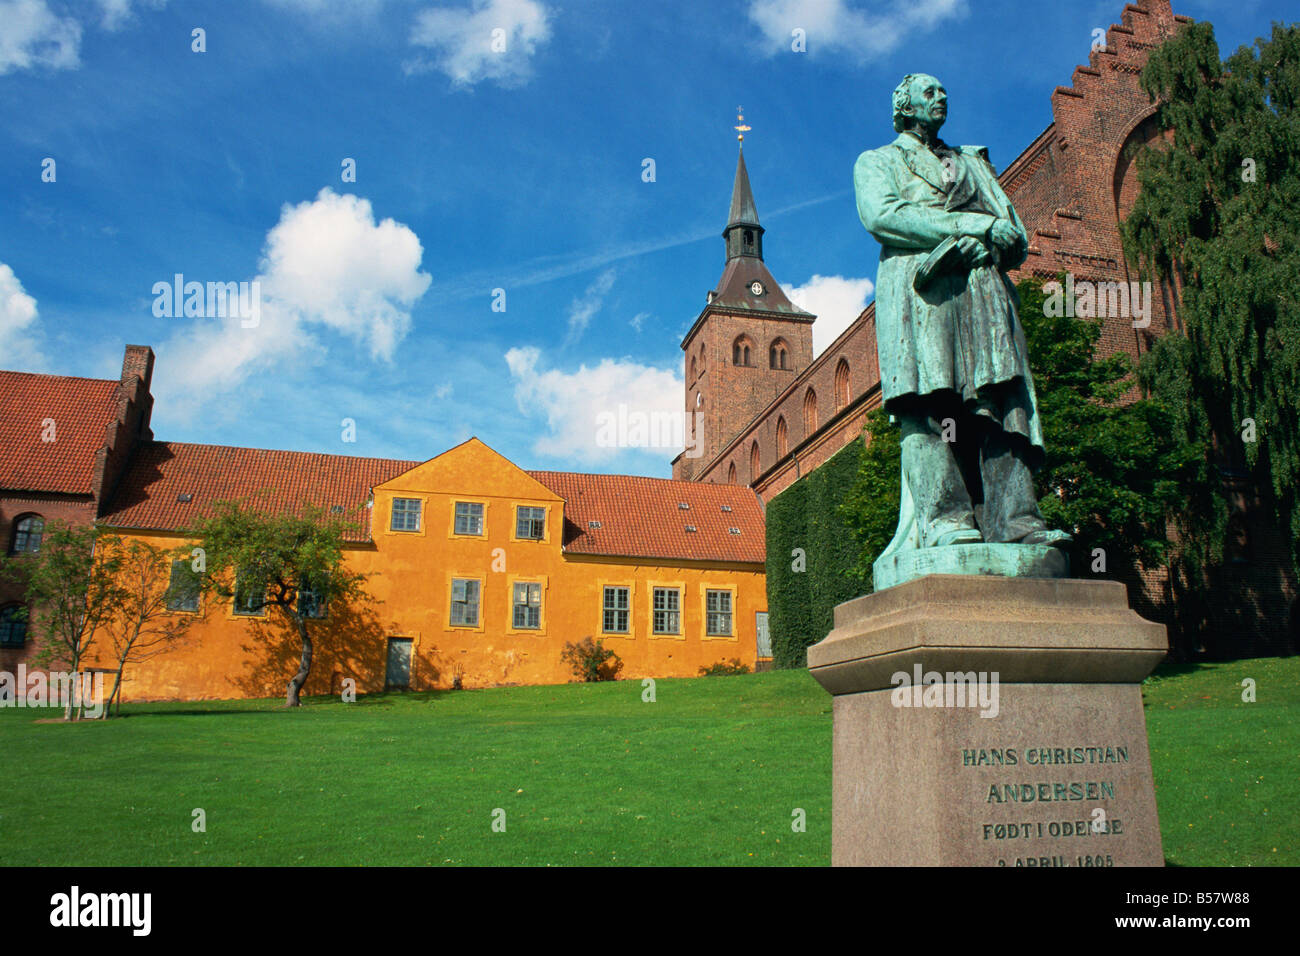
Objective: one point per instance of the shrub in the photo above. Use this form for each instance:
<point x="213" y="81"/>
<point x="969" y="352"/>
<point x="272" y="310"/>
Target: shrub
<point x="591" y="660"/>
<point x="724" y="668"/>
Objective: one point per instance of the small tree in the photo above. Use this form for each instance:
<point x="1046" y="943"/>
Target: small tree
<point x="71" y="590"/>
<point x="146" y="621"/>
<point x="292" y="563"/>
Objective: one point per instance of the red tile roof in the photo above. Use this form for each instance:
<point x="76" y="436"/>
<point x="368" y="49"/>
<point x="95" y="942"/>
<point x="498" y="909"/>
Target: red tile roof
<point x="161" y="472"/>
<point x="639" y="517"/>
<point x="643" y="517"/>
<point x="81" y="409"/>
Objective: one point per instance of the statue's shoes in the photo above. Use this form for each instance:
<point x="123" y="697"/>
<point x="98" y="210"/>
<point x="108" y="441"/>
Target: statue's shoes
<point x="1047" y="536"/>
<point x="960" y="536"/>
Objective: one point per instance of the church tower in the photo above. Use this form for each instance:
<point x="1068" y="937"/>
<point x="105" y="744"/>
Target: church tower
<point x="747" y="345"/>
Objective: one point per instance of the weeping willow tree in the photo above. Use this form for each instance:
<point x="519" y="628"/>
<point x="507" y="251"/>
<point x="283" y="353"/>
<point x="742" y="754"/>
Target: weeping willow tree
<point x="1218" y="215"/>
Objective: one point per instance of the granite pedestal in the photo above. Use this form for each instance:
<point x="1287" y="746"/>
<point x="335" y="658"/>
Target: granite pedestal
<point x="1031" y="750"/>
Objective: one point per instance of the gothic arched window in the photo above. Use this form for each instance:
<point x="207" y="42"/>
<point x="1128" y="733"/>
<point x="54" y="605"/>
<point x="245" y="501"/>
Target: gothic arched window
<point x="778" y="354"/>
<point x="810" y="412"/>
<point x="782" y="437"/>
<point x="740" y="350"/>
<point x="27" y="535"/>
<point x="841" y="384"/>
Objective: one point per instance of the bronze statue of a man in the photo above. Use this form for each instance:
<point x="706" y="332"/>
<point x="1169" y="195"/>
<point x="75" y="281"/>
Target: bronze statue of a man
<point x="953" y="365"/>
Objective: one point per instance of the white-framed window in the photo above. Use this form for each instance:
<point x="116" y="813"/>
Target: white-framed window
<point x="182" y="587"/>
<point x="469" y="518"/>
<point x="527" y="605"/>
<point x="249" y="602"/>
<point x="312" y="600"/>
<point x="667" y="611"/>
<point x="616" y="616"/>
<point x="530" y="522"/>
<point x="717" y="606"/>
<point x="406" y="514"/>
<point x="464" y="601"/>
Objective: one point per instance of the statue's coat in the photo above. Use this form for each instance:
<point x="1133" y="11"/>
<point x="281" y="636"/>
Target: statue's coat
<point x="962" y="334"/>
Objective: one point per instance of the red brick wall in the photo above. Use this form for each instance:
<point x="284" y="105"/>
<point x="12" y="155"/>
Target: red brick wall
<point x="70" y="509"/>
<point x="836" y="426"/>
<point x="736" y="394"/>
<point x="131" y="423"/>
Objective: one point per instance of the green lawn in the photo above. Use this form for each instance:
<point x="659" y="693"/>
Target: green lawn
<point x="588" y="774"/>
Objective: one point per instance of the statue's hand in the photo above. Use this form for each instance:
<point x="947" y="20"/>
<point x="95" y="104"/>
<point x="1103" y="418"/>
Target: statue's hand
<point x="973" y="252"/>
<point x="1004" y="235"/>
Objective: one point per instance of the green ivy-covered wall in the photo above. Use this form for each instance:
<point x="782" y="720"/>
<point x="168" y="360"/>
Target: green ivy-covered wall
<point x="812" y="559"/>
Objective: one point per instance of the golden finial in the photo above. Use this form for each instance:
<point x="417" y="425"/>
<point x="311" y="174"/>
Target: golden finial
<point x="740" y="126"/>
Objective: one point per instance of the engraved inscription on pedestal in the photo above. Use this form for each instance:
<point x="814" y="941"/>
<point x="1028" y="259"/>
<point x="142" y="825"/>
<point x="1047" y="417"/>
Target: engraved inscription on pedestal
<point x="1055" y="773"/>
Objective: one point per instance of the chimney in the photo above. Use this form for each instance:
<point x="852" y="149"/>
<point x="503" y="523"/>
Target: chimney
<point x="130" y="425"/>
<point x="138" y="363"/>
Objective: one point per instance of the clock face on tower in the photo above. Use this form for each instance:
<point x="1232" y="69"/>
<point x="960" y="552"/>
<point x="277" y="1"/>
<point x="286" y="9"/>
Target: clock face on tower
<point x="756" y="287"/>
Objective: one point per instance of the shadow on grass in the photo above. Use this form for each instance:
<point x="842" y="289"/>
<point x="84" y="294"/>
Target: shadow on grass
<point x="274" y="705"/>
<point x="1170" y="668"/>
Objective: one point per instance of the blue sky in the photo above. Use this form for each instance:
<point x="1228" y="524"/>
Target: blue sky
<point x="476" y="169"/>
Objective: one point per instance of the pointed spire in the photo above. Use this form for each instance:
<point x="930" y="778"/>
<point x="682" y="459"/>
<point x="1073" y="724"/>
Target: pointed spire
<point x="744" y="236"/>
<point x="743" y="210"/>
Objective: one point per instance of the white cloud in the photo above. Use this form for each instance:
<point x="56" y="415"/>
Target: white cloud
<point x="326" y="264"/>
<point x="572" y="402"/>
<point x="638" y="320"/>
<point x="330" y="263"/>
<point x="33" y="36"/>
<point x="835" y="300"/>
<point x="843" y="27"/>
<point x="117" y="12"/>
<point x="494" y="40"/>
<point x="17" y="323"/>
<point x="330" y="8"/>
<point x="584" y="307"/>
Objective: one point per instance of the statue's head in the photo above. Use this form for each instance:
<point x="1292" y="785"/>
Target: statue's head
<point x="920" y="100"/>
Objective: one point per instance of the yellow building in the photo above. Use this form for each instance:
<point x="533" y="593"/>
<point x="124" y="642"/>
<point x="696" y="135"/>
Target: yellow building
<point x="478" y="572"/>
